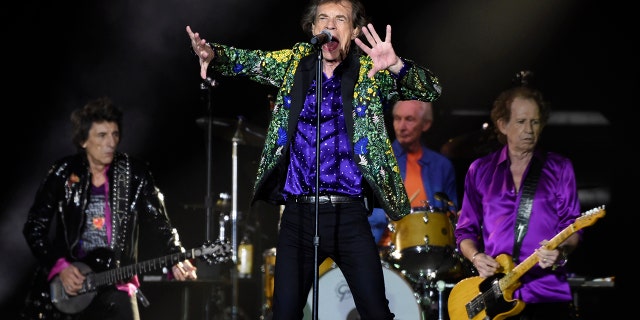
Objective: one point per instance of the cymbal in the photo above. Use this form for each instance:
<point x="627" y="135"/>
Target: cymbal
<point x="471" y="145"/>
<point x="237" y="129"/>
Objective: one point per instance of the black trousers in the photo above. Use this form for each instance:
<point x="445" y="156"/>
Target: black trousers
<point x="344" y="236"/>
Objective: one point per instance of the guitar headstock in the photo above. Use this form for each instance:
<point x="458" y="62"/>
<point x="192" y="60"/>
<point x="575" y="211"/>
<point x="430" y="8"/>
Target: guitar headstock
<point x="589" y="217"/>
<point x="216" y="252"/>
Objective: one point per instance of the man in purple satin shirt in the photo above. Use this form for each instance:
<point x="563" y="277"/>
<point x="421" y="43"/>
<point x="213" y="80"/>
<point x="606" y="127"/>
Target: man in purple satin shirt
<point x="493" y="190"/>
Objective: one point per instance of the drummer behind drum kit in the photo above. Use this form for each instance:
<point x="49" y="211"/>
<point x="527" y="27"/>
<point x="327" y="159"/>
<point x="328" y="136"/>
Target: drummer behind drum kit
<point x="419" y="267"/>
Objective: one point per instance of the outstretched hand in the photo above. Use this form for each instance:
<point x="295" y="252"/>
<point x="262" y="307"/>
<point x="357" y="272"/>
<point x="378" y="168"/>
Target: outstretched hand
<point x="204" y="52"/>
<point x="381" y="51"/>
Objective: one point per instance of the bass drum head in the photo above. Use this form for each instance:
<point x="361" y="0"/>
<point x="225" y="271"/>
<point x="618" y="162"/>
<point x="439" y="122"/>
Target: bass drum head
<point x="336" y="303"/>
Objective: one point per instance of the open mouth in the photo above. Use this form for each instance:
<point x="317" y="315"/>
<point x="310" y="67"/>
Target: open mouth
<point x="332" y="45"/>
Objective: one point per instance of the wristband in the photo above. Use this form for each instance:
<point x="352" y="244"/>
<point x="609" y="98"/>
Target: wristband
<point x="403" y="71"/>
<point x="563" y="259"/>
<point x="473" y="257"/>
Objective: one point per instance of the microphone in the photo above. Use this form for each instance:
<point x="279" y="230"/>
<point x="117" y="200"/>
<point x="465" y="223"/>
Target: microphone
<point x="321" y="38"/>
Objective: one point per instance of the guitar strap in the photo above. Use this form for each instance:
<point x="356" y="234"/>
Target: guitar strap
<point x="526" y="203"/>
<point x="122" y="183"/>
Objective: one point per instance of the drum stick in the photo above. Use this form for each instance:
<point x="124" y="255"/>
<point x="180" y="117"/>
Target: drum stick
<point x="415" y="194"/>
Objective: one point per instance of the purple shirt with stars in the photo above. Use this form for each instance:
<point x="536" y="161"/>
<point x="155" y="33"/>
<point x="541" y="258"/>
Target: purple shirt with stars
<point x="339" y="173"/>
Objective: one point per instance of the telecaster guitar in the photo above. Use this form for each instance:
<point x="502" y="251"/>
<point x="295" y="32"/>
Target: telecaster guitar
<point x="491" y="298"/>
<point x="102" y="259"/>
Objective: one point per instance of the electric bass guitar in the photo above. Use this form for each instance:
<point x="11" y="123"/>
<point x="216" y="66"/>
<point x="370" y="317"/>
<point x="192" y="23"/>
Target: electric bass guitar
<point x="491" y="298"/>
<point x="102" y="259"/>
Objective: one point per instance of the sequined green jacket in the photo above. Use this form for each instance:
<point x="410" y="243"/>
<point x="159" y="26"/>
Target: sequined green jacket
<point x="292" y="72"/>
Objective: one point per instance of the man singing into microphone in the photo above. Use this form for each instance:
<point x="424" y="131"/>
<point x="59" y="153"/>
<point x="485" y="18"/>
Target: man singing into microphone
<point x="357" y="168"/>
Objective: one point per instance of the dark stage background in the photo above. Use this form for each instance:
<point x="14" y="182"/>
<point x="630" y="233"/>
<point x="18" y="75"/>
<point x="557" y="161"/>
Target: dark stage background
<point x="58" y="55"/>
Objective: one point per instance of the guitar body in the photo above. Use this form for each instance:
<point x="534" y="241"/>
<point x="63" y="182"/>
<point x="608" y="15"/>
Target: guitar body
<point x="100" y="259"/>
<point x="70" y="304"/>
<point x="478" y="298"/>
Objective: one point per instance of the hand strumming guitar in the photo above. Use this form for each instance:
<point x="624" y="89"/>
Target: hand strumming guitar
<point x="72" y="279"/>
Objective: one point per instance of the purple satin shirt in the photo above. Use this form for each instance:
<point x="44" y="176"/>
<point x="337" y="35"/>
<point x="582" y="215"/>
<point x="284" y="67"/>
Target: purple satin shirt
<point x="490" y="208"/>
<point x="339" y="173"/>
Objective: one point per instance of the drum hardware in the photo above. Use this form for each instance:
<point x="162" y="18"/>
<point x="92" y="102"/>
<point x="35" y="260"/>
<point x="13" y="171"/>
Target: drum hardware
<point x="431" y="297"/>
<point x="421" y="276"/>
<point x="222" y="206"/>
<point x="228" y="128"/>
<point x="238" y="131"/>
<point x="441" y="285"/>
<point x="206" y="88"/>
<point x="451" y="206"/>
<point x="443" y="197"/>
<point x="268" y="271"/>
<point x="245" y="257"/>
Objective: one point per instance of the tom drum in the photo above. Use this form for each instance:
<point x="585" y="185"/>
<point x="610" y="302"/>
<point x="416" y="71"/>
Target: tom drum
<point x="423" y="244"/>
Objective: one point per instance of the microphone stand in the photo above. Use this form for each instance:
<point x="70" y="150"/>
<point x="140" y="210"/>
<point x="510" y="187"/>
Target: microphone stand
<point x="316" y="238"/>
<point x="206" y="86"/>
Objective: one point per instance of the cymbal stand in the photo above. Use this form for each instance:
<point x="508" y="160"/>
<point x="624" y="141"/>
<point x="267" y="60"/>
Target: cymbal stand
<point x="441" y="286"/>
<point x="237" y="138"/>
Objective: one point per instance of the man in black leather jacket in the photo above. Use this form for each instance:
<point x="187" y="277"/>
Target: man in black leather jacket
<point x="96" y="201"/>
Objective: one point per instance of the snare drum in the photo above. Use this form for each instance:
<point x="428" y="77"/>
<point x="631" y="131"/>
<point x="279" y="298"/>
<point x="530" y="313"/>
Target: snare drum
<point x="336" y="302"/>
<point x="423" y="243"/>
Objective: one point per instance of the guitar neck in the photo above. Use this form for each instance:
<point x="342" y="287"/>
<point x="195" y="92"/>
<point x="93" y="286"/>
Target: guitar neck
<point x="113" y="276"/>
<point x="512" y="277"/>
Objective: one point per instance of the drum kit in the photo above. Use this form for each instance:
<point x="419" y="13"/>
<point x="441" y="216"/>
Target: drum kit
<point x="420" y="266"/>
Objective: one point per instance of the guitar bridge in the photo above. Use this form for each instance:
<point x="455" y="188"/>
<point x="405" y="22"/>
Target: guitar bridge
<point x="475" y="306"/>
<point x="57" y="294"/>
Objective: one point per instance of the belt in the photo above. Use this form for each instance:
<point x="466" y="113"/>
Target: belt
<point x="326" y="199"/>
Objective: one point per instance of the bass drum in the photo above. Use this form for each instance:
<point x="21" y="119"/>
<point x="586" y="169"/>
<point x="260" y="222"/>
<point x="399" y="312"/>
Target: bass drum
<point x="336" y="302"/>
